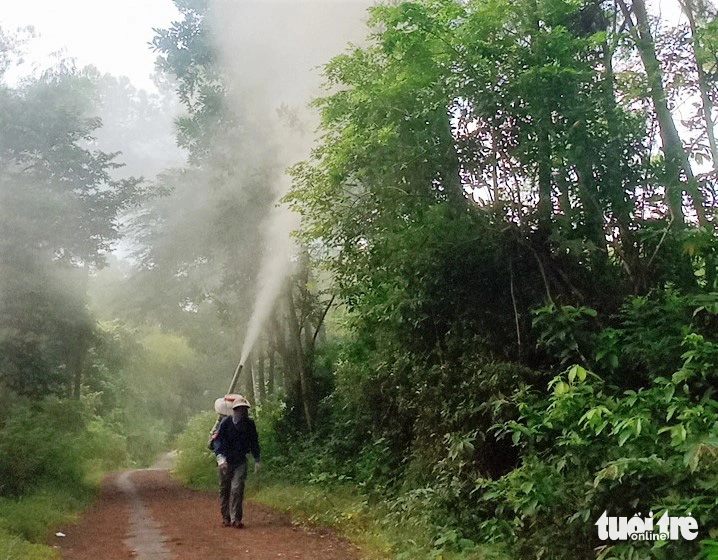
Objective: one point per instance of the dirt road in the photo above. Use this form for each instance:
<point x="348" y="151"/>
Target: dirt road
<point x="146" y="515"/>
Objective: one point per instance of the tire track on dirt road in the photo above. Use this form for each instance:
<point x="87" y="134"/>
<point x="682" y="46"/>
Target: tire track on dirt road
<point x="147" y="515"/>
<point x="144" y="536"/>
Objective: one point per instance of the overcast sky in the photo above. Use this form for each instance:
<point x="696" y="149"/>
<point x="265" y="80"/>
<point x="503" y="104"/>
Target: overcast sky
<point x="110" y="34"/>
<point x="113" y="34"/>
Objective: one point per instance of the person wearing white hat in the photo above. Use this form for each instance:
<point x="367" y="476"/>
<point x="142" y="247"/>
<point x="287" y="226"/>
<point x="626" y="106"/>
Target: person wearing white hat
<point x="235" y="437"/>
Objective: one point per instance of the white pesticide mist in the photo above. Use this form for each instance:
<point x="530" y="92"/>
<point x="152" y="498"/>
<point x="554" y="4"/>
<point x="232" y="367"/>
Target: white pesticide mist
<point x="276" y="266"/>
<point x="271" y="52"/>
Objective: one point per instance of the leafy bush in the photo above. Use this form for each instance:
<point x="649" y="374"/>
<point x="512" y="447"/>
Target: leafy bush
<point x="13" y="547"/>
<point x="195" y="463"/>
<point x="268" y="416"/>
<point x="39" y="442"/>
<point x="54" y="441"/>
<point x="590" y="447"/>
<point x="49" y="451"/>
<point x="146" y="439"/>
<point x="374" y="524"/>
<point x="30" y="517"/>
<point x="646" y="339"/>
<point x="104" y="448"/>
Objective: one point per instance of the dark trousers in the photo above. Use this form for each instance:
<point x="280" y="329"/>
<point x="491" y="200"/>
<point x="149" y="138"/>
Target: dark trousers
<point x="231" y="491"/>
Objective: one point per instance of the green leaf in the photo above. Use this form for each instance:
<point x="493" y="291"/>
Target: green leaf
<point x="561" y="388"/>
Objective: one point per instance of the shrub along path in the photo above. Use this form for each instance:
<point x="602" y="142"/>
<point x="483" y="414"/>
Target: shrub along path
<point x="147" y="515"/>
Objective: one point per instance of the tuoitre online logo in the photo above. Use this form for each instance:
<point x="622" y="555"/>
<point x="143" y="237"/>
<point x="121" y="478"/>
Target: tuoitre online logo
<point x="639" y="528"/>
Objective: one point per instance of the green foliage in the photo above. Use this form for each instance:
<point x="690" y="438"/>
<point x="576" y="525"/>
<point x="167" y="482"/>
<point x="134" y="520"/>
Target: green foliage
<point x="26" y="522"/>
<point x="31" y="517"/>
<point x="41" y="318"/>
<point x="195" y="463"/>
<point x="104" y="448"/>
<point x="64" y="200"/>
<point x="420" y="435"/>
<point x="710" y="549"/>
<point x="52" y="453"/>
<point x="563" y="331"/>
<point x="185" y="51"/>
<point x="35" y="448"/>
<point x="53" y="441"/>
<point x="156" y="405"/>
<point x="268" y="416"/>
<point x="590" y="447"/>
<point x="60" y="210"/>
<point x="148" y="409"/>
<point x="15" y="548"/>
<point x="488" y="198"/>
<point x="371" y="524"/>
<point x="439" y="344"/>
<point x="515" y="102"/>
<point x="652" y="331"/>
<point x="60" y="213"/>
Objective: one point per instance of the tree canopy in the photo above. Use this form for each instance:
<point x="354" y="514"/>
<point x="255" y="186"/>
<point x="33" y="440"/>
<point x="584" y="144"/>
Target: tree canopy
<point x="502" y="316"/>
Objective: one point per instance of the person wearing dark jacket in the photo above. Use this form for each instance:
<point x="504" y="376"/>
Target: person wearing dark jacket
<point x="235" y="437"/>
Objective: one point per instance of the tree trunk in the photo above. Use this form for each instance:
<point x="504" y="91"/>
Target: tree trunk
<point x="261" y="354"/>
<point x="545" y="206"/>
<point x="706" y="103"/>
<point x="281" y="380"/>
<point x="622" y="205"/>
<point x="542" y="115"/>
<point x="592" y="208"/>
<point x="454" y="188"/>
<point x="78" y="349"/>
<point x="75" y="364"/>
<point x="248" y="380"/>
<point x="298" y="354"/>
<point x="280" y="346"/>
<point x="675" y="154"/>
<point x="271" y="372"/>
<point x="320" y="332"/>
<point x="307" y="333"/>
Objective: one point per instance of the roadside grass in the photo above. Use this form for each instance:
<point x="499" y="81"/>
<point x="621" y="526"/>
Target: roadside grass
<point x="54" y="454"/>
<point x="370" y="526"/>
<point x="25" y="523"/>
<point x="13" y="547"/>
<point x="195" y="465"/>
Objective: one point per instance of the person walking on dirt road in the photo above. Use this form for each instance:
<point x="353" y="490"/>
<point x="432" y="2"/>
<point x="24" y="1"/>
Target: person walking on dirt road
<point x="235" y="437"/>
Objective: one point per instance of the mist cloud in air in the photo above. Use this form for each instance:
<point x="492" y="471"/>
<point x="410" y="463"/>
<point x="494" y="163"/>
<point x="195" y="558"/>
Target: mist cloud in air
<point x="271" y="52"/>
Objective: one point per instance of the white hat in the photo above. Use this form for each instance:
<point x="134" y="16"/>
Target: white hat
<point x="241" y="401"/>
<point x="224" y="405"/>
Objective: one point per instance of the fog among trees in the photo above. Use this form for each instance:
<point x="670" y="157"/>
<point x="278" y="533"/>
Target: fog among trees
<point x="465" y="250"/>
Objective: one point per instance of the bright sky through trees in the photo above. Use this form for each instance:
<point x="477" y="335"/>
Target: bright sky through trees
<point x="110" y="34"/>
<point x="113" y="34"/>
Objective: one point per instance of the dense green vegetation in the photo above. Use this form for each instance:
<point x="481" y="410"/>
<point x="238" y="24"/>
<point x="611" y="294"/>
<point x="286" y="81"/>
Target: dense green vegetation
<point x="513" y="367"/>
<point x="502" y="317"/>
<point x="524" y="254"/>
<point x="381" y="529"/>
<point x="75" y="397"/>
<point x="53" y="454"/>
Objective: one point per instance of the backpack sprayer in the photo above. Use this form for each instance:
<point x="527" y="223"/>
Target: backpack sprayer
<point x="223" y="405"/>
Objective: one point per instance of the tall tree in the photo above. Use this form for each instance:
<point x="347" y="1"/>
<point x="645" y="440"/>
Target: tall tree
<point x="679" y="173"/>
<point x="61" y="216"/>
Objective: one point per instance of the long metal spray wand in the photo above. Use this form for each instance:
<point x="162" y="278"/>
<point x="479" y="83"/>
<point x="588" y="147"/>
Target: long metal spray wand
<point x="232" y="385"/>
<point x="235" y="378"/>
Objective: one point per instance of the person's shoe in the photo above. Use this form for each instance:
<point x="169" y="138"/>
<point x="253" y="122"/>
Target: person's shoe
<point x="226" y="523"/>
<point x="238" y="525"/>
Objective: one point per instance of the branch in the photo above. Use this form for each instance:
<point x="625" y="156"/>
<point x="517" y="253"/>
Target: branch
<point x="543" y="274"/>
<point x="319" y="324"/>
<point x="516" y="312"/>
<point x="660" y="243"/>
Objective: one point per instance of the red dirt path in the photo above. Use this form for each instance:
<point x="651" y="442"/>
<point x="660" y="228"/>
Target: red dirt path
<point x="188" y="524"/>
